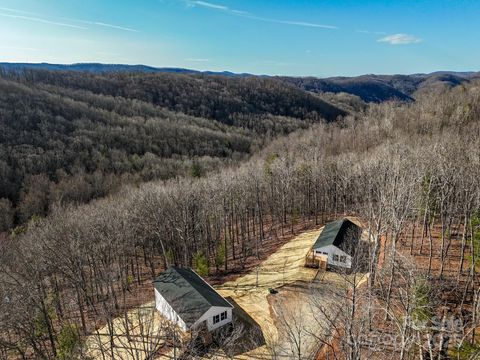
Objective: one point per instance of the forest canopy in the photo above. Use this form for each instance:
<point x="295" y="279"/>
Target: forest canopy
<point x="70" y="137"/>
<point x="394" y="165"/>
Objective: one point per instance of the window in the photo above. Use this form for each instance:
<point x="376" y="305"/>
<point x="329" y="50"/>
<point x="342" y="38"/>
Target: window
<point x="220" y="317"/>
<point x="325" y="253"/>
<point x="343" y="258"/>
<point x="335" y="258"/>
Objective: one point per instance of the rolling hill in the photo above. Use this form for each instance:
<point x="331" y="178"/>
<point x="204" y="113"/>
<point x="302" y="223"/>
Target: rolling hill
<point x="380" y="88"/>
<point x="369" y="88"/>
<point x="69" y="136"/>
<point x="106" y="68"/>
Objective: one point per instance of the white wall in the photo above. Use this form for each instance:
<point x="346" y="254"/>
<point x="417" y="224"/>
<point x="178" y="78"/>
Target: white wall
<point x="333" y="250"/>
<point x="167" y="311"/>
<point x="208" y="316"/>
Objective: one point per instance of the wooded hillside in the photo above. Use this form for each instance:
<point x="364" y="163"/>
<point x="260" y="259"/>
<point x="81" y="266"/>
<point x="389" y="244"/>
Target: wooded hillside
<point x="69" y="137"/>
<point x="394" y="166"/>
<point x="380" y="88"/>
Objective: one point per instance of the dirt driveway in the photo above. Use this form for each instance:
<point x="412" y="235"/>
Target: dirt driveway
<point x="283" y="270"/>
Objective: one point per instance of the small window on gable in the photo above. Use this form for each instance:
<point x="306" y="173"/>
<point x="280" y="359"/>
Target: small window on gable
<point x="216" y="319"/>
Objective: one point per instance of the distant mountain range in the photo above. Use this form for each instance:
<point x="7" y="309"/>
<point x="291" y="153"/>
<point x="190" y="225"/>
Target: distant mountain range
<point x="105" y="68"/>
<point x="370" y="88"/>
<point x="379" y="88"/>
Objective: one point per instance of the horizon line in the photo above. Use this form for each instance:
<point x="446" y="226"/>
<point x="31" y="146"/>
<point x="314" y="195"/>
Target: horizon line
<point x="219" y="72"/>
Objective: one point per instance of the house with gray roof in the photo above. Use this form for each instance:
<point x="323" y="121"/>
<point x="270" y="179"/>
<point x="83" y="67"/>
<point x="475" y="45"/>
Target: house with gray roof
<point x="188" y="301"/>
<point x="337" y="243"/>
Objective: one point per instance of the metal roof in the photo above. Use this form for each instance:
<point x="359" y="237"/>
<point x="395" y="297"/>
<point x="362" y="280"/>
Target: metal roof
<point x="335" y="233"/>
<point x="187" y="293"/>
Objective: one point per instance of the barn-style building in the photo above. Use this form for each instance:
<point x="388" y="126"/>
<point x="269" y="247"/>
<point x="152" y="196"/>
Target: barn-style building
<point x="337" y="243"/>
<point x="188" y="301"/>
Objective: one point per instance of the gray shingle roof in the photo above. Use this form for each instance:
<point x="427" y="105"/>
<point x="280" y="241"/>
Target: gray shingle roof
<point x="187" y="293"/>
<point x="335" y="233"/>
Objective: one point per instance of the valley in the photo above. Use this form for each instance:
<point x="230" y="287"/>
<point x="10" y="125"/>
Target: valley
<point x="109" y="179"/>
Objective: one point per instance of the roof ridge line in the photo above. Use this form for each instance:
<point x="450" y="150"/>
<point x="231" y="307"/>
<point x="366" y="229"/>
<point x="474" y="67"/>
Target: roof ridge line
<point x="211" y="287"/>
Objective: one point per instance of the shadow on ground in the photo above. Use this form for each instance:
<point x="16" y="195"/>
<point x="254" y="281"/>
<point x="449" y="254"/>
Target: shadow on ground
<point x="252" y="335"/>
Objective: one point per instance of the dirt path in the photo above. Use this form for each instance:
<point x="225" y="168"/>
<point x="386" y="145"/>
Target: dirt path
<point x="286" y="266"/>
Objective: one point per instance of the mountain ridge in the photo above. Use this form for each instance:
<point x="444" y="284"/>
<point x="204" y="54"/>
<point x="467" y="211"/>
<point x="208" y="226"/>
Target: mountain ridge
<point x="369" y="87"/>
<point x="105" y="68"/>
<point x="143" y="67"/>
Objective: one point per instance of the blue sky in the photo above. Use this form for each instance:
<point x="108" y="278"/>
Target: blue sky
<point x="318" y="38"/>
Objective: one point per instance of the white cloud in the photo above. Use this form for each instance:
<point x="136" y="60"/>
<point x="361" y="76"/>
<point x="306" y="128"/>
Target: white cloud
<point x="302" y="23"/>
<point x="208" y="5"/>
<point x="99" y="23"/>
<point x="239" y="12"/>
<point x="114" y="26"/>
<point x="43" y="21"/>
<point x="17" y="11"/>
<point x="191" y="3"/>
<point x="30" y="16"/>
<point x="400" y="39"/>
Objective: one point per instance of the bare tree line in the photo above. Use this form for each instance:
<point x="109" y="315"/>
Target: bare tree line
<point x="402" y="168"/>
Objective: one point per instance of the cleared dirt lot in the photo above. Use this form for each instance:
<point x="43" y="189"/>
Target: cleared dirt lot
<point x="283" y="270"/>
<point x="282" y="267"/>
<point x="133" y="336"/>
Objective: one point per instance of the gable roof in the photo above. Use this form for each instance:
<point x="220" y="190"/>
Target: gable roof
<point x="335" y="233"/>
<point x="187" y="293"/>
